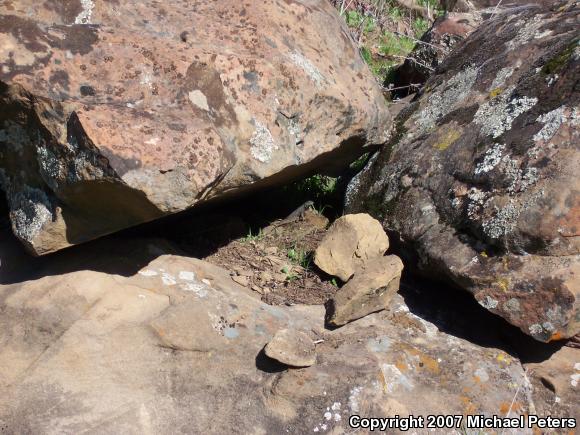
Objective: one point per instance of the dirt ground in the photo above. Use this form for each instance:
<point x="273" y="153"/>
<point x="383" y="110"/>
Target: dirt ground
<point x="277" y="261"/>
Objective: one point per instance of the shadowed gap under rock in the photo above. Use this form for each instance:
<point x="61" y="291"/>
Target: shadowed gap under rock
<point x="200" y="232"/>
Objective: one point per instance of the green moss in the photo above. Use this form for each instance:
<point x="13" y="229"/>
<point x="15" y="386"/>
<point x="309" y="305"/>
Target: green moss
<point x="558" y="62"/>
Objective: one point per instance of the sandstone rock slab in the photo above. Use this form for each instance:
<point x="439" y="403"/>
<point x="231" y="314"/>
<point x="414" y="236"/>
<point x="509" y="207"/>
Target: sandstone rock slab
<point x="481" y="185"/>
<point x="114" y="114"/>
<point x="91" y="351"/>
<point x="350" y="241"/>
<point x="559" y="375"/>
<point x="370" y="289"/>
<point x="293" y="348"/>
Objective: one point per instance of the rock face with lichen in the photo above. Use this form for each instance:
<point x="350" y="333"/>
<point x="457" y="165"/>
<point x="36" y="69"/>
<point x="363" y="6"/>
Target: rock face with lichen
<point x="480" y="185"/>
<point x="113" y="114"/>
<point x="434" y="46"/>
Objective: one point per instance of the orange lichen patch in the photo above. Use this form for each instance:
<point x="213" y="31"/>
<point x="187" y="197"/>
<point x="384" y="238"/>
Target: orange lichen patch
<point x="425" y="361"/>
<point x="402" y="365"/>
<point x="468" y="406"/>
<point x="556" y="336"/>
<point x="506" y="407"/>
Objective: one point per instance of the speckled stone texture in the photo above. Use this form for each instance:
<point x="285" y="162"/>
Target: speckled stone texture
<point x="435" y="45"/>
<point x="480" y="185"/>
<point x="116" y="113"/>
<point x="177" y="347"/>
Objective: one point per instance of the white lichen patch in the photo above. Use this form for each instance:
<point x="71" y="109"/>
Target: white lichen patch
<point x="148" y="273"/>
<point x="496" y="116"/>
<point x="442" y="102"/>
<point x="528" y="30"/>
<point x="488" y="302"/>
<point x="307" y="66"/>
<point x="536" y="329"/>
<point x="354" y="399"/>
<point x="503" y="222"/>
<point x="476" y="199"/>
<point x="552" y="122"/>
<point x="198" y="99"/>
<point x="168" y="279"/>
<point x="30" y="210"/>
<point x="501" y="77"/>
<point x="199" y="289"/>
<point x="262" y="143"/>
<point x="186" y="275"/>
<point x="490" y="160"/>
<point x="87" y="11"/>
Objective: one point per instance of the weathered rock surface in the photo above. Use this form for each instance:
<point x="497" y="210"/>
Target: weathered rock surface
<point x="481" y="186"/>
<point x="433" y="47"/>
<point x="113" y="114"/>
<point x="560" y="374"/>
<point x="293" y="348"/>
<point x="370" y="289"/>
<point x="490" y="5"/>
<point x="176" y="348"/>
<point x="350" y="241"/>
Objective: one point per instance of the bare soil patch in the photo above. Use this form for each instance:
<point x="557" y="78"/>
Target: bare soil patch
<point x="276" y="261"/>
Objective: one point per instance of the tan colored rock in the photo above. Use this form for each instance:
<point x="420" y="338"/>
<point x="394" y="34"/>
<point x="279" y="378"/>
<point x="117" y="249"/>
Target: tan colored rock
<point x="558" y="380"/>
<point x="293" y="348"/>
<point x="369" y="290"/>
<point x="136" y="349"/>
<point x="350" y="241"/>
<point x="117" y="113"/>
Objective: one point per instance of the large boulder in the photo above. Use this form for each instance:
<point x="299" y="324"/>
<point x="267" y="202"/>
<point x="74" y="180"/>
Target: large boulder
<point x="178" y="347"/>
<point x="117" y="113"/>
<point x="480" y="185"/>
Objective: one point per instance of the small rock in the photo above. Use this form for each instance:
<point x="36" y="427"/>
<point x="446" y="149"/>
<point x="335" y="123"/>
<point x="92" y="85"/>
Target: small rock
<point x="293" y="348"/>
<point x="242" y="280"/>
<point x="257" y="289"/>
<point x="350" y="241"/>
<point x="370" y="289"/>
